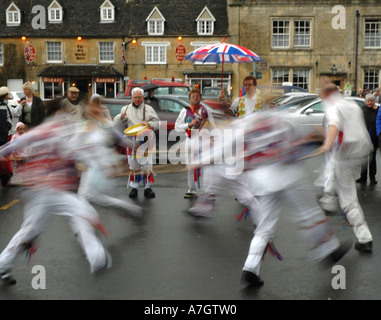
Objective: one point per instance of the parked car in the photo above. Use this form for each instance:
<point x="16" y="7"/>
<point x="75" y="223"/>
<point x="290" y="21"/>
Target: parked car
<point x="269" y="93"/>
<point x="290" y="97"/>
<point x="15" y="97"/>
<point x="164" y="87"/>
<point x="308" y="115"/>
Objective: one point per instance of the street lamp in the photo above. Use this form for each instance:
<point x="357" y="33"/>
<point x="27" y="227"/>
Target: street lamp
<point x="334" y="69"/>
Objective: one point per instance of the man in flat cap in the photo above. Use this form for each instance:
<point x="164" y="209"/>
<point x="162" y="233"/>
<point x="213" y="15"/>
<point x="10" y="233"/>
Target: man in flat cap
<point x="71" y="104"/>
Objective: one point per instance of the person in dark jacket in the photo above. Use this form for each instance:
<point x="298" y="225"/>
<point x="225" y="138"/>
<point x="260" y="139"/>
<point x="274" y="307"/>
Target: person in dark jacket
<point x="5" y="126"/>
<point x="33" y="109"/>
<point x="370" y="116"/>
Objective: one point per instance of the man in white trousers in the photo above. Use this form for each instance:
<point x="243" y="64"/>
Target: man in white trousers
<point x="275" y="178"/>
<point x="50" y="181"/>
<point x="349" y="142"/>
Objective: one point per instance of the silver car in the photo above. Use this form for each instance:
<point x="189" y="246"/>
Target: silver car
<point x="308" y="115"/>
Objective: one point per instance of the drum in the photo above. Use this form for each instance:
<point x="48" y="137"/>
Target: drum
<point x="136" y="130"/>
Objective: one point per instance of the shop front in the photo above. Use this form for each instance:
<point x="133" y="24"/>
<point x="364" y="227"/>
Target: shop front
<point x="54" y="81"/>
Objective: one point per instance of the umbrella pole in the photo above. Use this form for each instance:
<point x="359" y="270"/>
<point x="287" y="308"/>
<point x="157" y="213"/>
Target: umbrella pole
<point x="222" y="74"/>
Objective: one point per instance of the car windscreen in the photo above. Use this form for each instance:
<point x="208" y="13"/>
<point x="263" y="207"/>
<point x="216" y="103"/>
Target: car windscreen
<point x="299" y="103"/>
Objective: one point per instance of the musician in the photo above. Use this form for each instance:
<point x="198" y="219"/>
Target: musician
<point x="133" y="114"/>
<point x="193" y="117"/>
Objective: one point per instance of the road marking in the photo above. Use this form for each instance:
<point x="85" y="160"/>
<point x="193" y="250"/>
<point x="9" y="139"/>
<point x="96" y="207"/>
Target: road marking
<point x="10" y="204"/>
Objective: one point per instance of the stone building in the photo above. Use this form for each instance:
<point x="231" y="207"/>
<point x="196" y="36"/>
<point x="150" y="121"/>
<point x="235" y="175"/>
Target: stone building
<point x="302" y="40"/>
<point x="98" y="45"/>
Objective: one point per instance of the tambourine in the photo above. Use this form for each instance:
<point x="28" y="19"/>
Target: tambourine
<point x="136" y="130"/>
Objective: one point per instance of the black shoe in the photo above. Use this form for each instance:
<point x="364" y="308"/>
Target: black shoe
<point x="190" y="195"/>
<point x="148" y="193"/>
<point x="373" y="182"/>
<point x="364" y="247"/>
<point x="133" y="193"/>
<point x="5" y="180"/>
<point x="251" y="279"/>
<point x="336" y="255"/>
<point x="7" y="279"/>
<point x="361" y="180"/>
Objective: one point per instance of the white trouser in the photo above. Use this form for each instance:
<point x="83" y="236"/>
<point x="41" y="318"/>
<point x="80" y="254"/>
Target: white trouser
<point x="203" y="182"/>
<point x="312" y="226"/>
<point x="40" y="204"/>
<point x="345" y="180"/>
<point x="235" y="184"/>
<point x="140" y="166"/>
<point x="95" y="187"/>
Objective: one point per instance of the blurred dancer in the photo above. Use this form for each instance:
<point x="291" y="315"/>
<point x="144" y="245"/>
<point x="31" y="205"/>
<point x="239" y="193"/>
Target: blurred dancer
<point x="228" y="176"/>
<point x="50" y="179"/>
<point x="271" y="149"/>
<point x="350" y="144"/>
<point x="274" y="178"/>
<point x="95" y="186"/>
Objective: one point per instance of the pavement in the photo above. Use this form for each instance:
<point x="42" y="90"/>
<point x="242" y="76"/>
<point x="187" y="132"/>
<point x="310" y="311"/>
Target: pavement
<point x="172" y="256"/>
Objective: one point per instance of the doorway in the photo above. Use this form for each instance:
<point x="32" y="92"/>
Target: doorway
<point x="84" y="85"/>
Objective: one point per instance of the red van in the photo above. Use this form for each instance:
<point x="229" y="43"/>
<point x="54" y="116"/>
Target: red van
<point x="164" y="87"/>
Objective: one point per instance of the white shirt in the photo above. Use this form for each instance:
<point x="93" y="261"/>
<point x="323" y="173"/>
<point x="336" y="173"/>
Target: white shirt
<point x="249" y="104"/>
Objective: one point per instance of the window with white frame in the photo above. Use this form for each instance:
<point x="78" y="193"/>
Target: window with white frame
<point x="205" y="22"/>
<point x="55" y="12"/>
<point x="52" y="90"/>
<point x="54" y="52"/>
<point x="283" y="30"/>
<point x="371" y="79"/>
<point x="301" y="78"/>
<point x="106" y="52"/>
<point x="156" y="52"/>
<point x="281" y="34"/>
<point x="155" y="27"/>
<point x="1" y="54"/>
<point x="107" y="11"/>
<point x="302" y="33"/>
<point x="13" y="15"/>
<point x="205" y="27"/>
<point x="373" y="33"/>
<point x="155" y="23"/>
<point x="279" y="76"/>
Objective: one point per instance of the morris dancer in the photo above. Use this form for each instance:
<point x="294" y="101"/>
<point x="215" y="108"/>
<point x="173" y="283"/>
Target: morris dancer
<point x="50" y="181"/>
<point x="190" y="118"/>
<point x="131" y="115"/>
<point x="275" y="178"/>
<point x="94" y="185"/>
<point x="348" y="140"/>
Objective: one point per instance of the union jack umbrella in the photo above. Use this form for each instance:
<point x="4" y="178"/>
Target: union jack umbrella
<point x="223" y="53"/>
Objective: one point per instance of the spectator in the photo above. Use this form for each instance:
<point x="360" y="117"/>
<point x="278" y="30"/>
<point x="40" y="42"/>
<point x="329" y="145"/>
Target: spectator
<point x="33" y="109"/>
<point x="5" y="127"/>
<point x="370" y="116"/>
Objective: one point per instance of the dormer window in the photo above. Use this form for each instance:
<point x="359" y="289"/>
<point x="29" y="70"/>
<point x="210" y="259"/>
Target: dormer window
<point x="13" y="15"/>
<point x="205" y="23"/>
<point x="55" y="12"/>
<point x="107" y="12"/>
<point x="155" y="23"/>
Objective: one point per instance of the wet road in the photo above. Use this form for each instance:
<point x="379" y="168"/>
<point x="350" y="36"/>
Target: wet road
<point x="173" y="256"/>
